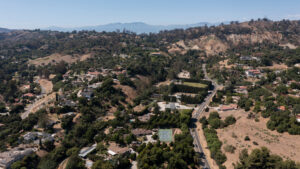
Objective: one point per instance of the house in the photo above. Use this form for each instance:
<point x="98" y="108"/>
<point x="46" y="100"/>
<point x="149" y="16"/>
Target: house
<point x="297" y="65"/>
<point x="236" y="98"/>
<point x="141" y="132"/>
<point x="145" y="117"/>
<point x="88" y="163"/>
<point x="172" y="106"/>
<point x="68" y="114"/>
<point x="246" y="58"/>
<point x="67" y="102"/>
<point x="253" y="73"/>
<point x="9" y="157"/>
<point x="155" y="54"/>
<point x="114" y="149"/>
<point x="249" y="58"/>
<point x="124" y="56"/>
<point x="35" y="137"/>
<point x="28" y="95"/>
<point x="184" y="75"/>
<point x="281" y="108"/>
<point x="241" y="89"/>
<point x="25" y="87"/>
<point x="228" y="107"/>
<point x="298" y="118"/>
<point x="95" y="85"/>
<point x="87" y="93"/>
<point x="86" y="150"/>
<point x="156" y="96"/>
<point x="93" y="74"/>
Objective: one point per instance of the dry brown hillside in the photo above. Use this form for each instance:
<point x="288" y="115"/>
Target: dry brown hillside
<point x="223" y="37"/>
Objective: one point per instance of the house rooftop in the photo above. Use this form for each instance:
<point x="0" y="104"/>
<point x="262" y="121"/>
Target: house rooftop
<point x="282" y="108"/>
<point x="29" y="95"/>
<point x="140" y="131"/>
<point x="145" y="117"/>
<point x="86" y="150"/>
<point x="114" y="149"/>
<point x="228" y="107"/>
<point x="9" y="157"/>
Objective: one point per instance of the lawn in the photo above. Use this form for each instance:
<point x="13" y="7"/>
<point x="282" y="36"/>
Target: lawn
<point x="192" y="84"/>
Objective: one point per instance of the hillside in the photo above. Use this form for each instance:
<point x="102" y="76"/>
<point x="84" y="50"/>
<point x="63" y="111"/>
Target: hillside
<point x="4" y="30"/>
<point x="122" y="100"/>
<point x="217" y="40"/>
<point x="212" y="40"/>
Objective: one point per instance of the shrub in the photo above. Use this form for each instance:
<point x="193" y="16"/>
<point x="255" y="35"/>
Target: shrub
<point x="229" y="120"/>
<point x="203" y="120"/>
<point x="229" y="148"/>
<point x="215" y="123"/>
<point x="247" y="138"/>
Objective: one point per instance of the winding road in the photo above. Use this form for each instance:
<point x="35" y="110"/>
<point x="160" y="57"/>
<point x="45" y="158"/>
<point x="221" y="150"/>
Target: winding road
<point x="195" y="117"/>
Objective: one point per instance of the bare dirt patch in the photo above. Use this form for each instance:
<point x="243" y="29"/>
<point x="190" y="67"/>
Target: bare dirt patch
<point x="208" y="43"/>
<point x="56" y="58"/>
<point x="164" y="83"/>
<point x="288" y="45"/>
<point x="284" y="145"/>
<point x="139" y="108"/>
<point x="224" y="63"/>
<point x="108" y="116"/>
<point x="46" y="86"/>
<point x="276" y="67"/>
<point x="128" y="91"/>
<point x="41" y="153"/>
<point x="63" y="164"/>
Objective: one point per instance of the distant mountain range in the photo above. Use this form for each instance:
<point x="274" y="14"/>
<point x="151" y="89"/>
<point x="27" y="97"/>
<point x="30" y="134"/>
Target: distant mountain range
<point x="4" y="30"/>
<point x="137" y="27"/>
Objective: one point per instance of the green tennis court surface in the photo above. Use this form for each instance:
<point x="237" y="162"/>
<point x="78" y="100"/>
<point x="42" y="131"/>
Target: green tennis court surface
<point x="165" y="135"/>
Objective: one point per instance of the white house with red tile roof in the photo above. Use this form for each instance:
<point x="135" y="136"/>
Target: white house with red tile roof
<point x="228" y="107"/>
<point x="298" y="118"/>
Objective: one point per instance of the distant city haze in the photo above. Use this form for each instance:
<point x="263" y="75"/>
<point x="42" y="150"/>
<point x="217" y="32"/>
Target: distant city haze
<point x="32" y="14"/>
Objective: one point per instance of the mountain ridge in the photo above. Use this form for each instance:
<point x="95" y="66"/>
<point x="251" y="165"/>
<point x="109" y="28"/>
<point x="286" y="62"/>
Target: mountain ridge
<point x="137" y="27"/>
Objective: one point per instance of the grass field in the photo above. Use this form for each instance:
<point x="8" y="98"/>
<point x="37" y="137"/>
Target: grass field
<point x="192" y="84"/>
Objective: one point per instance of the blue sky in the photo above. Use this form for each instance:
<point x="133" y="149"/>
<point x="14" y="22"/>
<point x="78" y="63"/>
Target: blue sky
<point x="73" y="13"/>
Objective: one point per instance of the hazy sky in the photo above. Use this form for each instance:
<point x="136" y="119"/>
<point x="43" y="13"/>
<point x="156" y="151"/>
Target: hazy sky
<point x="72" y="13"/>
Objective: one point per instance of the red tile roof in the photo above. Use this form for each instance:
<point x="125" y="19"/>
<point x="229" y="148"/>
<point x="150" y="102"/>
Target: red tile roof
<point x="94" y="73"/>
<point x="28" y="95"/>
<point x="281" y="108"/>
<point x="228" y="107"/>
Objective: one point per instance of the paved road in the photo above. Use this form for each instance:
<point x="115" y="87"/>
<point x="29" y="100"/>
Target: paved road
<point x="38" y="104"/>
<point x="196" y="114"/>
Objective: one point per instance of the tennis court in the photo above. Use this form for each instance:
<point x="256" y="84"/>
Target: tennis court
<point x="165" y="135"/>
